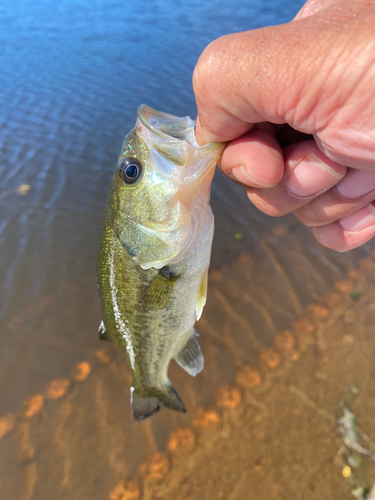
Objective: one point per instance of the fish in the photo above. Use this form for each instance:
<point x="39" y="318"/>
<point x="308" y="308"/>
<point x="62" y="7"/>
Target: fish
<point x="154" y="254"/>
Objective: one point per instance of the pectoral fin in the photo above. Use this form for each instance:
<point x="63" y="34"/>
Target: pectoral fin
<point x="190" y="358"/>
<point x="160" y="291"/>
<point x="202" y="296"/>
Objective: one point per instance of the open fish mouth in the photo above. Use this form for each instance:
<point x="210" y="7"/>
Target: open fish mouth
<point x="174" y="138"/>
<point x="168" y="212"/>
<point x="164" y="124"/>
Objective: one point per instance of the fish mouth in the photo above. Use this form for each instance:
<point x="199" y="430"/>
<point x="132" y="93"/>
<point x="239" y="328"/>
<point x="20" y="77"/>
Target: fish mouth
<point x="169" y="126"/>
<point x="176" y="157"/>
<point x="173" y="138"/>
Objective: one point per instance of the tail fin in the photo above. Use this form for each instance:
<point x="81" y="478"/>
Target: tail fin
<point x="144" y="406"/>
<point x="172" y="400"/>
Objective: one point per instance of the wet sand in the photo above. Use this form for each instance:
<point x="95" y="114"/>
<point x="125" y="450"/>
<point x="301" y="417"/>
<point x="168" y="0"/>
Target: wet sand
<point x="270" y="432"/>
<point x="280" y="440"/>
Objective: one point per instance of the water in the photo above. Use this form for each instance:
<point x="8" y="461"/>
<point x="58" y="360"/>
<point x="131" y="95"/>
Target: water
<point x="73" y="75"/>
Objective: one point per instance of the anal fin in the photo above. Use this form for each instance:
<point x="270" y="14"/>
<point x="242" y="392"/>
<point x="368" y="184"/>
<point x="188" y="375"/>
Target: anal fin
<point x="190" y="358"/>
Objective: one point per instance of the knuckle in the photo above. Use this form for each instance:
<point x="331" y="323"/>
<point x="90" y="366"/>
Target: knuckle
<point x="305" y="220"/>
<point x="310" y="218"/>
<point x="204" y="70"/>
<point x="212" y="64"/>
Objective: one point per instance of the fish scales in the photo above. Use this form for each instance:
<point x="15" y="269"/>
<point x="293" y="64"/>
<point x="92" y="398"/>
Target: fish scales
<point x="154" y="254"/>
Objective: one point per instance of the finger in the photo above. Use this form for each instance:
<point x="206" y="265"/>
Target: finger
<point x="244" y="159"/>
<point x="311" y="7"/>
<point x="308" y="174"/>
<point x="353" y="192"/>
<point x="350" y="232"/>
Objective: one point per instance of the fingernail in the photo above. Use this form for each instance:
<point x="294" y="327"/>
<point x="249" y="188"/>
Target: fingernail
<point x="241" y="175"/>
<point x="312" y="174"/>
<point x="356" y="183"/>
<point x="365" y="217"/>
<point x="198" y="133"/>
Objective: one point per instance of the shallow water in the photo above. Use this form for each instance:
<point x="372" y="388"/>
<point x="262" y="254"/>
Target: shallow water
<point x="73" y="74"/>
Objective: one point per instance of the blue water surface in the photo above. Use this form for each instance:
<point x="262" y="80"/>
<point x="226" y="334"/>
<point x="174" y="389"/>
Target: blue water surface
<point x="72" y="76"/>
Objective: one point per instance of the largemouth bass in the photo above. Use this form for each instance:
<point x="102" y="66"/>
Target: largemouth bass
<point x="154" y="254"/>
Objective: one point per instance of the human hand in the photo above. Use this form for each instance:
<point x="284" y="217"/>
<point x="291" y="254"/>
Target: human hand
<point x="297" y="103"/>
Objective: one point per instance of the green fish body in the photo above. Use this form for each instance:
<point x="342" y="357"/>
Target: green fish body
<point x="154" y="254"/>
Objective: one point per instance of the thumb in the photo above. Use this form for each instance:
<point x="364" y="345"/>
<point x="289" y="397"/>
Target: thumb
<point x="300" y="73"/>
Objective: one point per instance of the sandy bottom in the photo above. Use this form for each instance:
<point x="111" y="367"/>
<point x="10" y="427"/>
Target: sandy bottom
<point x="274" y="432"/>
<point x="281" y="439"/>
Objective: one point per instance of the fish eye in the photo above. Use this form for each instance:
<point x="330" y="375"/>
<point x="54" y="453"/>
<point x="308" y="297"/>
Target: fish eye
<point x="130" y="170"/>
